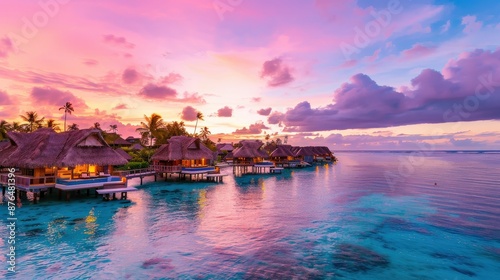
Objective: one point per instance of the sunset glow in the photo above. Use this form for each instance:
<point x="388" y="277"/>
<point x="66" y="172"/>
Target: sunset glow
<point x="344" y="74"/>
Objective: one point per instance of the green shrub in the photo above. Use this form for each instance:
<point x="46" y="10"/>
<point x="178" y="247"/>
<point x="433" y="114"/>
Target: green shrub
<point x="133" y="165"/>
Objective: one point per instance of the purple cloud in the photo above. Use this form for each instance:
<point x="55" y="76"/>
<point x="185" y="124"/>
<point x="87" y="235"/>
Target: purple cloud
<point x="225" y="112"/>
<point x="90" y="62"/>
<point x="171" y="78"/>
<point x="276" y="73"/>
<point x="275" y="118"/>
<point x="418" y="50"/>
<point x="55" y="97"/>
<point x="189" y="113"/>
<point x="191" y="98"/>
<point x="121" y="106"/>
<point x="118" y="41"/>
<point x="255" y="128"/>
<point x="158" y="92"/>
<point x="130" y="76"/>
<point x="5" y="98"/>
<point x="467" y="90"/>
<point x="6" y="47"/>
<point x="264" y="112"/>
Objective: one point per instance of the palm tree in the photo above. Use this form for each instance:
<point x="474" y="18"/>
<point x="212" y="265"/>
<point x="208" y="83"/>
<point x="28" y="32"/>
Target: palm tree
<point x="199" y="116"/>
<point x="204" y="133"/>
<point x="113" y="128"/>
<point x="33" y="121"/>
<point x="17" y="127"/>
<point x="73" y="127"/>
<point x="97" y="125"/>
<point x="4" y="127"/>
<point x="151" y="128"/>
<point x="68" y="108"/>
<point x="51" y="123"/>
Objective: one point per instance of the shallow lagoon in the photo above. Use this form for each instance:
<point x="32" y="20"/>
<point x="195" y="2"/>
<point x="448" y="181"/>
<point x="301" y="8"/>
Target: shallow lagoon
<point x="439" y="220"/>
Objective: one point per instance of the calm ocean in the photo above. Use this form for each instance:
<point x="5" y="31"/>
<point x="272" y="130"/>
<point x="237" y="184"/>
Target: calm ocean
<point x="374" y="215"/>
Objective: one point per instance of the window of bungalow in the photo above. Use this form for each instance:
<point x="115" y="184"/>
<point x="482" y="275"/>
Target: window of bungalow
<point x="92" y="168"/>
<point x="27" y="172"/>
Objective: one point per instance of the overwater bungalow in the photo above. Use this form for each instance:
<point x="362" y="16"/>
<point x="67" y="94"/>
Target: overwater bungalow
<point x="115" y="140"/>
<point x="136" y="147"/>
<point x="322" y="154"/>
<point x="249" y="152"/>
<point x="182" y="153"/>
<point x="229" y="158"/>
<point x="45" y="158"/>
<point x="223" y="149"/>
<point x="283" y="156"/>
<point x="305" y="154"/>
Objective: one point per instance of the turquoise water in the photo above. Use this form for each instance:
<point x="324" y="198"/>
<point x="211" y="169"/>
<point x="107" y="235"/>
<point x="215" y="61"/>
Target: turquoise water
<point x="371" y="216"/>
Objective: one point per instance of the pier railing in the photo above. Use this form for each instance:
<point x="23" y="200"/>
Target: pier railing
<point x="166" y="169"/>
<point x="27" y="181"/>
<point x="124" y="173"/>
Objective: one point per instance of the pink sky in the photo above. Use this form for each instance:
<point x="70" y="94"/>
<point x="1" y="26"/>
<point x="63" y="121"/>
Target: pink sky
<point x="346" y="74"/>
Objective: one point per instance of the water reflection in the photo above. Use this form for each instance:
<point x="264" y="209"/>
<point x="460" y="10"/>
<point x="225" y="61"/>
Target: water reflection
<point x="321" y="222"/>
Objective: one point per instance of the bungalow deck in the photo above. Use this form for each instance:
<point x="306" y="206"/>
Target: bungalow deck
<point x="70" y="186"/>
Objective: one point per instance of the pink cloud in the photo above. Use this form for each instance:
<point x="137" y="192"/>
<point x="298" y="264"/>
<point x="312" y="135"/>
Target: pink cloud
<point x="189" y="113"/>
<point x="349" y="63"/>
<point x="5" y="98"/>
<point x="374" y="56"/>
<point x="6" y="47"/>
<point x="121" y="106"/>
<point x="264" y="112"/>
<point x="171" y="78"/>
<point x="191" y="98"/>
<point x="225" y="112"/>
<point x="255" y="128"/>
<point x="469" y="92"/>
<point x="276" y="73"/>
<point x="54" y="97"/>
<point x="446" y="27"/>
<point x="60" y="80"/>
<point x="275" y="118"/>
<point x="130" y="76"/>
<point x="256" y="99"/>
<point x="158" y="92"/>
<point x="471" y="24"/>
<point x="118" y="41"/>
<point x="417" y="51"/>
<point x="90" y="62"/>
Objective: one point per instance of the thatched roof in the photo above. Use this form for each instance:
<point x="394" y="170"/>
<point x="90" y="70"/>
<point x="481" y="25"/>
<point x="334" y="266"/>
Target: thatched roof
<point x="321" y="151"/>
<point x="282" y="151"/>
<point x="45" y="148"/>
<point x="4" y="144"/>
<point x="249" y="149"/>
<point x="124" y="154"/>
<point x="304" y="151"/>
<point x="229" y="156"/>
<point x="224" y="147"/>
<point x="115" y="139"/>
<point x="137" y="147"/>
<point x="183" y="147"/>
